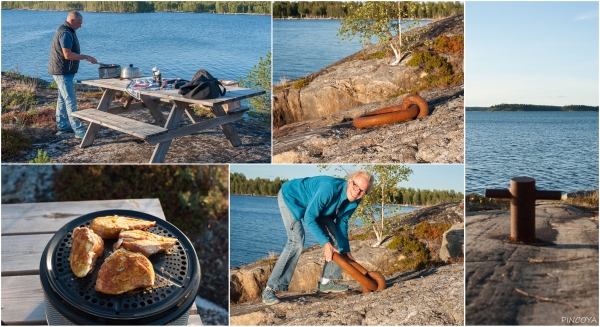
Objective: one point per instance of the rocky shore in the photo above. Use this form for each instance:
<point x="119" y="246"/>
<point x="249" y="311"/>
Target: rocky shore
<point x="432" y="295"/>
<point x="111" y="146"/>
<point x="313" y="116"/>
<point x="519" y="284"/>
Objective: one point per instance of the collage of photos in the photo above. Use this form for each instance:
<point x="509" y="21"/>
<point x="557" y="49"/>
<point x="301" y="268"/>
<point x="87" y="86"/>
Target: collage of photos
<point x="300" y="163"/>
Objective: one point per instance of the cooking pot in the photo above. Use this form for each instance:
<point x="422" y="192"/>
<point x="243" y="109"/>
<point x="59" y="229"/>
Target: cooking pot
<point x="109" y="70"/>
<point x="72" y="300"/>
<point x="131" y="72"/>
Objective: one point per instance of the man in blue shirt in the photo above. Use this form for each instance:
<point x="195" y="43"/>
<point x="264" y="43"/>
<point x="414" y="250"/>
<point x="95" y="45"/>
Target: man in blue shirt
<point x="64" y="60"/>
<point x="325" y="204"/>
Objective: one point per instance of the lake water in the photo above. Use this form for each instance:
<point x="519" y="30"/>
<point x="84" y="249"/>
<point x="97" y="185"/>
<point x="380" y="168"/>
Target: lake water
<point x="558" y="149"/>
<point x="256" y="229"/>
<point x="180" y="44"/>
<point x="303" y="46"/>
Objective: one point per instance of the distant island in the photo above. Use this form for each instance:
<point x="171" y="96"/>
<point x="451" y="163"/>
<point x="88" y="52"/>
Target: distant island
<point x="532" y="107"/>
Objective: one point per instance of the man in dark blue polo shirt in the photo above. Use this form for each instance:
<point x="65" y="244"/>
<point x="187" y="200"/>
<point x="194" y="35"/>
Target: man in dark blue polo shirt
<point x="65" y="55"/>
<point x="325" y="205"/>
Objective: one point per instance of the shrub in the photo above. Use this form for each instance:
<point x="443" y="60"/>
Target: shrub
<point x="191" y="196"/>
<point x="430" y="231"/>
<point x="439" y="71"/>
<point x="29" y="118"/>
<point x="416" y="255"/>
<point x="259" y="78"/>
<point x="15" y="99"/>
<point x="42" y="158"/>
<point x="13" y="143"/>
<point x="451" y="44"/>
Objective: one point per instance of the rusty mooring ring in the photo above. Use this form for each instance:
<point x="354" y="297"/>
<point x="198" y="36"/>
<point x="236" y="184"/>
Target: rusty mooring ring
<point x="412" y="107"/>
<point x="370" y="280"/>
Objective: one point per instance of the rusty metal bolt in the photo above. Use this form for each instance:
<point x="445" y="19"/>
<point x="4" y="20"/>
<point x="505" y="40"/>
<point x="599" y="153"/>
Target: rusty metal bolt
<point x="522" y="195"/>
<point x="412" y="107"/>
<point x="370" y="280"/>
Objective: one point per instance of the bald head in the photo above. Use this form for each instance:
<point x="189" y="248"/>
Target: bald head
<point x="75" y="19"/>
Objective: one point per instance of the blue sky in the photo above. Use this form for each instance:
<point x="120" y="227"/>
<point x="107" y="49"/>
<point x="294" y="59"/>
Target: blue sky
<point x="440" y="177"/>
<point x="531" y="53"/>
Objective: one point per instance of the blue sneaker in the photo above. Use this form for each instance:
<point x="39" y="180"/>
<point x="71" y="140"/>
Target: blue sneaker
<point x="268" y="297"/>
<point x="79" y="135"/>
<point x="332" y="287"/>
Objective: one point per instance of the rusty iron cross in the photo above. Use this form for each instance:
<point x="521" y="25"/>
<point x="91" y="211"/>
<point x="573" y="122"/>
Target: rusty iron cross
<point x="522" y="195"/>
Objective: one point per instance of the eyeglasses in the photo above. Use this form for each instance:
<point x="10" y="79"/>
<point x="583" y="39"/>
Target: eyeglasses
<point x="358" y="189"/>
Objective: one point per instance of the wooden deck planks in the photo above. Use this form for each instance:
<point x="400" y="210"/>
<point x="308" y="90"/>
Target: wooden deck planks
<point x="36" y="218"/>
<point x="21" y="254"/>
<point x="23" y="301"/>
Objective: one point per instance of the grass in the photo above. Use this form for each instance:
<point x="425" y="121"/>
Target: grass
<point x="476" y="202"/>
<point x="361" y="237"/>
<point x="301" y="83"/>
<point x="375" y="55"/>
<point x="29" y="118"/>
<point x="589" y="201"/>
<point x="18" y="100"/>
<point x="13" y="143"/>
<point x="203" y="112"/>
<point x="272" y="257"/>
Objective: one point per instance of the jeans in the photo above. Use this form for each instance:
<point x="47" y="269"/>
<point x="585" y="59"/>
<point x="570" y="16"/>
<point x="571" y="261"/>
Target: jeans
<point x="286" y="264"/>
<point x="67" y="104"/>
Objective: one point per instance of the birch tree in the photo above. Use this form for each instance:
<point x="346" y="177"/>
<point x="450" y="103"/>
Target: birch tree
<point x="380" y="19"/>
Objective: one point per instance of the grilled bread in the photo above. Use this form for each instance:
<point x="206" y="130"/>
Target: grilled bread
<point x="86" y="248"/>
<point x="124" y="271"/>
<point x="110" y="226"/>
<point x="143" y="242"/>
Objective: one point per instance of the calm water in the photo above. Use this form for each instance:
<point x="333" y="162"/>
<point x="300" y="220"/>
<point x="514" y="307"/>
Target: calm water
<point x="558" y="149"/>
<point x="256" y="229"/>
<point x="228" y="46"/>
<point x="302" y="47"/>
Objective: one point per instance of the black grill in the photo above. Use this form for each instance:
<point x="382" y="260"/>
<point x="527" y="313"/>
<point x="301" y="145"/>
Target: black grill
<point x="174" y="291"/>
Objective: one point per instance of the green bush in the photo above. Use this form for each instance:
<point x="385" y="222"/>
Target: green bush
<point x="42" y="158"/>
<point x="191" y="196"/>
<point x="416" y="255"/>
<point x="439" y="71"/>
<point x="18" y="100"/>
<point x="259" y="78"/>
<point x="303" y="82"/>
<point x="13" y="143"/>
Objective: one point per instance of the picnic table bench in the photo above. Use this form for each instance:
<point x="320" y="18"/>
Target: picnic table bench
<point x="26" y="230"/>
<point x="227" y="109"/>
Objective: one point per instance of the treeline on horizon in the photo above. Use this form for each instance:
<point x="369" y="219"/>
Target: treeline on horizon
<point x="532" y="107"/>
<point x="239" y="184"/>
<point x="334" y="9"/>
<point x="221" y="7"/>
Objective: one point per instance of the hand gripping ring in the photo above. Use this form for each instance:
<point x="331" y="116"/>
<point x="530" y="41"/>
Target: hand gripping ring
<point x="370" y="280"/>
<point x="411" y="108"/>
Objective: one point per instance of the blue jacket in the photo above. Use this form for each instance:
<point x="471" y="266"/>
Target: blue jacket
<point x="321" y="196"/>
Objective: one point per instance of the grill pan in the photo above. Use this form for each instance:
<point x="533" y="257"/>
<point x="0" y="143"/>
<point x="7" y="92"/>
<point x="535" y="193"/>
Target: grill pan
<point x="174" y="291"/>
<point x="109" y="70"/>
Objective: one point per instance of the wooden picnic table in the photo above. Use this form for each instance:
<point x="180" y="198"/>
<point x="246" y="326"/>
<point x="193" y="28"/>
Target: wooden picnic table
<point x="26" y="230"/>
<point x="227" y="109"/>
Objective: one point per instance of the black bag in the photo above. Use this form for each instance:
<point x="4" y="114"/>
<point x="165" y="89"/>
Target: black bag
<point x="202" y="86"/>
